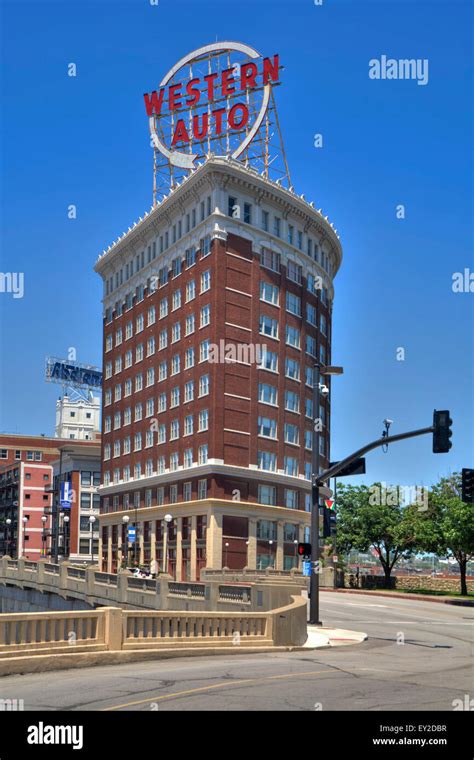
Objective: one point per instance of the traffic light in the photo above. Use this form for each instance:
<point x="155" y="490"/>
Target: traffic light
<point x="468" y="486"/>
<point x="329" y="522"/>
<point x="441" y="432"/>
<point x="304" y="550"/>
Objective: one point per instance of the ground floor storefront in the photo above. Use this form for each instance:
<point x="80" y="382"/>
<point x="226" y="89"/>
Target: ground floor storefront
<point x="186" y="537"/>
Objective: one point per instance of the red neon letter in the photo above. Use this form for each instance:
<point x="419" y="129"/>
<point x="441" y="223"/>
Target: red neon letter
<point x="199" y="134"/>
<point x="270" y="70"/>
<point x="174" y="96"/>
<point x="218" y="119"/>
<point x="193" y="92"/>
<point x="180" y="134"/>
<point x="228" y="82"/>
<point x="245" y="116"/>
<point x="248" y="80"/>
<point x="210" y="78"/>
<point x="153" y="103"/>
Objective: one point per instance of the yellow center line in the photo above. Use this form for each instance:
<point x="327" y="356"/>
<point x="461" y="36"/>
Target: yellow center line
<point x="214" y="686"/>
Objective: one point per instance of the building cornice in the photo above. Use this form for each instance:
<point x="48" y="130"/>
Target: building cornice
<point x="219" y="171"/>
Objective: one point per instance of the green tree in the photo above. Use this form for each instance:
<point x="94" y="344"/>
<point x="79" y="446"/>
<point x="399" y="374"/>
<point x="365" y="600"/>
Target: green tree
<point x="372" y="516"/>
<point x="453" y="521"/>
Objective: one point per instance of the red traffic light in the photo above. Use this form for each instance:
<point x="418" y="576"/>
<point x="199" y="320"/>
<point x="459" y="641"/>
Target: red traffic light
<point x="304" y="550"/>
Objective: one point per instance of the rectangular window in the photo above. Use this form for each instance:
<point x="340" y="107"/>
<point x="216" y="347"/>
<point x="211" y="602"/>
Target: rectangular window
<point x="291" y="498"/>
<point x="232" y="206"/>
<point x="292" y="401"/>
<point x="268" y="326"/>
<point x="292" y="433"/>
<point x="190" y="290"/>
<point x="294" y="272"/>
<point x="265" y="221"/>
<point x="269" y="293"/>
<point x="203" y="385"/>
<point x="267" y="427"/>
<point x="248" y="213"/>
<point x="205" y="315"/>
<point x="270" y="260"/>
<point x="266" y="461"/>
<point x="292" y="337"/>
<point x="267" y="394"/>
<point x="310" y="345"/>
<point x="291" y="466"/>
<point x="311" y="314"/>
<point x="269" y="361"/>
<point x="203" y="420"/>
<point x="293" y="304"/>
<point x="205" y="280"/>
<point x="292" y="369"/>
<point x="267" y="495"/>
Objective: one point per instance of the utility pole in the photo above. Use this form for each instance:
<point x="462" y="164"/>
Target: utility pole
<point x="314" y="577"/>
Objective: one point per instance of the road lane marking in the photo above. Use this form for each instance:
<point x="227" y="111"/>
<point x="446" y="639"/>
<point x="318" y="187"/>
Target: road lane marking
<point x="217" y="686"/>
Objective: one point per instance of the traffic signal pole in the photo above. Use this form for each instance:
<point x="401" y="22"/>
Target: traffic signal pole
<point x="314" y="577"/>
<point x="331" y="472"/>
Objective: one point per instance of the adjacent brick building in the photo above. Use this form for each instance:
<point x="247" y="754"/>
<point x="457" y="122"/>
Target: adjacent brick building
<point x="196" y="425"/>
<point x="29" y="481"/>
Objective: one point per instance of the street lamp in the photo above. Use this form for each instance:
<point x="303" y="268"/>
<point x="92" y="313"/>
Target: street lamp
<point x="24" y="521"/>
<point x="295" y="543"/>
<point x="8" y="523"/>
<point x="92" y="520"/>
<point x="168" y="519"/>
<point x="226" y="547"/>
<point x="318" y="388"/>
<point x="44" y="520"/>
<point x="125" y="521"/>
<point x="270" y="543"/>
<point x="65" y="534"/>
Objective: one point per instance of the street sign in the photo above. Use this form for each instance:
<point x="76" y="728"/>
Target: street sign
<point x="65" y="495"/>
<point x="335" y="558"/>
<point x="307" y="568"/>
<point x="329" y="503"/>
<point x="355" y="468"/>
<point x="131" y="535"/>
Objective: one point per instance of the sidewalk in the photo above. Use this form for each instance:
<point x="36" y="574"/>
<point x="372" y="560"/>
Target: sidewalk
<point x="319" y="636"/>
<point x="404" y="595"/>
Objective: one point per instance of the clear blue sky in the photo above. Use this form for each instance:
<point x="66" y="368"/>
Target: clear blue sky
<point x="84" y="141"/>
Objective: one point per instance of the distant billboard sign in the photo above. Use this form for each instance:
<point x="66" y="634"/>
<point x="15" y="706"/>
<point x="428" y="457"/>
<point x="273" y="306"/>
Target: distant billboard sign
<point x="66" y="495"/>
<point x="73" y="373"/>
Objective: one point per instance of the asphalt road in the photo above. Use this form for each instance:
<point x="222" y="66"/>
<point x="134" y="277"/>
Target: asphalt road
<point x="431" y="668"/>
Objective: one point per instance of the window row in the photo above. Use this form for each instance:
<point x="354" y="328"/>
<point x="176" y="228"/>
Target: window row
<point x="157" y="434"/>
<point x="160" y="467"/>
<point x="129" y="388"/>
<point x="169" y="237"/>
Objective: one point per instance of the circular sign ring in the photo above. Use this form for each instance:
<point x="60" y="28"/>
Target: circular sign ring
<point x="186" y="160"/>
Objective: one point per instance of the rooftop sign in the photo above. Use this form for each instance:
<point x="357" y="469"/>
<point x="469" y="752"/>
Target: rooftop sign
<point x="214" y="99"/>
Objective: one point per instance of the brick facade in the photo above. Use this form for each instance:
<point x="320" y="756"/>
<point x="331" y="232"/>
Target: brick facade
<point x="241" y="428"/>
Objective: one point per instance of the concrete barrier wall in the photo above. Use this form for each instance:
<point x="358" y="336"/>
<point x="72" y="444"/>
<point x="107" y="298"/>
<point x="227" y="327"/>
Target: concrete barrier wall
<point x="115" y="629"/>
<point x="65" y="586"/>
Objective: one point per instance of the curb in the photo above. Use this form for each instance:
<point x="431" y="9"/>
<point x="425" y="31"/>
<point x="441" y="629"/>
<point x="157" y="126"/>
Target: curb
<point x="402" y="595"/>
<point x="50" y="662"/>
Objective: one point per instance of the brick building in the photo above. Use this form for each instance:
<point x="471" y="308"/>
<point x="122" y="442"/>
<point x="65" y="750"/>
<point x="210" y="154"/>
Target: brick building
<point x="29" y="481"/>
<point x="196" y="425"/>
<point x="25" y="497"/>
